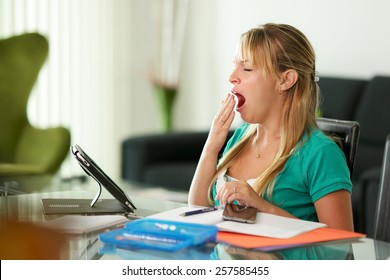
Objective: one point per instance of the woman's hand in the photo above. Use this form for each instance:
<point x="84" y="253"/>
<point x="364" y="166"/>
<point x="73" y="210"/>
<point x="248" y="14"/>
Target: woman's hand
<point x="240" y="191"/>
<point x="221" y="125"/>
<point x="244" y="194"/>
<point x="205" y="171"/>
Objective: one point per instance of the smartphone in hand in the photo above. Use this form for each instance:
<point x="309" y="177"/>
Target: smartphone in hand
<point x="239" y="213"/>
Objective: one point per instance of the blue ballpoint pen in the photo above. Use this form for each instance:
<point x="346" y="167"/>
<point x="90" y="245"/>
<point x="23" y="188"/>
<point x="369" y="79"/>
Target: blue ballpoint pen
<point x="199" y="211"/>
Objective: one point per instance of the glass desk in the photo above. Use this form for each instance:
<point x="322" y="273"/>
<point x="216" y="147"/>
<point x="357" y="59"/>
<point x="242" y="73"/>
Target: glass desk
<point x="26" y="207"/>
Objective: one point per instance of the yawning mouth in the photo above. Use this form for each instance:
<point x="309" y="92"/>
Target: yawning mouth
<point x="240" y="99"/>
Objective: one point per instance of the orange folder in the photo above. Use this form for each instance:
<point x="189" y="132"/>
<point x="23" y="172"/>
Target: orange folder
<point x="314" y="236"/>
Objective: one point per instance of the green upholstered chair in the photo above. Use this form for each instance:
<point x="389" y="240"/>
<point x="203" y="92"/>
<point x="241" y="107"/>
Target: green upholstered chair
<point x="24" y="149"/>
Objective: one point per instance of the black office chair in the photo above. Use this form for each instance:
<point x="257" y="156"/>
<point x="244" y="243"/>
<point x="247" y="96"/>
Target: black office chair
<point x="345" y="133"/>
<point x="382" y="219"/>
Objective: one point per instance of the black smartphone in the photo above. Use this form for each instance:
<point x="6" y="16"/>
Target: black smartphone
<point x="240" y="213"/>
<point x="93" y="170"/>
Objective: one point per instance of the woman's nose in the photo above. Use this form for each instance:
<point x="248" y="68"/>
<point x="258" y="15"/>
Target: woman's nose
<point x="234" y="77"/>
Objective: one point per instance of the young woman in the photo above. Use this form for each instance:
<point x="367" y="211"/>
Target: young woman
<point x="278" y="160"/>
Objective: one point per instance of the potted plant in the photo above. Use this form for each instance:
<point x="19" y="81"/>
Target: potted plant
<point x="172" y="24"/>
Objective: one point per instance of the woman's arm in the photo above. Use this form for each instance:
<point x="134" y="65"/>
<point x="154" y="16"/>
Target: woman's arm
<point x="329" y="175"/>
<point x="243" y="193"/>
<point x="335" y="210"/>
<point x="198" y="194"/>
<point x="205" y="171"/>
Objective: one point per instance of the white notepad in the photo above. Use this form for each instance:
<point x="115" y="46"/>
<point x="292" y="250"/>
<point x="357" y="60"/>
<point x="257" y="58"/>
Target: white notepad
<point x="266" y="225"/>
<point x="76" y="224"/>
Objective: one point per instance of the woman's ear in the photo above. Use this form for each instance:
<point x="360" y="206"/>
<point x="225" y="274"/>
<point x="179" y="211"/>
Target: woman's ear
<point x="288" y="79"/>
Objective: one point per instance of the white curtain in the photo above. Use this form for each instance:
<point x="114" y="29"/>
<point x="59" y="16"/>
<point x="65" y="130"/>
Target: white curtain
<point x="79" y="86"/>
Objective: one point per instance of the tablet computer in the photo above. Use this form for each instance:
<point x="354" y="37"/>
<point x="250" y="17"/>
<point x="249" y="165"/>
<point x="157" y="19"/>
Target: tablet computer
<point x="93" y="170"/>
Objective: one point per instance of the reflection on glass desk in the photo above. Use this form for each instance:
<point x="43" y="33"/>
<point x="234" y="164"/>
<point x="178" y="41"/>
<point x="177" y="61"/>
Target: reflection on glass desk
<point x="48" y="183"/>
<point x="26" y="207"/>
<point x="364" y="249"/>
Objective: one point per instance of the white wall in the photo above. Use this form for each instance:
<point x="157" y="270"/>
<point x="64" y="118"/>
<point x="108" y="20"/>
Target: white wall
<point x="351" y="39"/>
<point x="117" y="45"/>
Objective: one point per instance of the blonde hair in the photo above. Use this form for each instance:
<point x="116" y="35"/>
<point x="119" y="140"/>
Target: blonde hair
<point x="276" y="48"/>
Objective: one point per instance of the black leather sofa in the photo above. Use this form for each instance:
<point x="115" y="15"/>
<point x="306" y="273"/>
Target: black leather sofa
<point x="169" y="160"/>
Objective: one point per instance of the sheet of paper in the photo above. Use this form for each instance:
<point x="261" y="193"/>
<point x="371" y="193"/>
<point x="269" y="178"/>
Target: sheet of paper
<point x="266" y="225"/>
<point x="209" y="218"/>
<point x="77" y="224"/>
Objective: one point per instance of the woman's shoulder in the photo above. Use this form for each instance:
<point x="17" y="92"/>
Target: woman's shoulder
<point x="316" y="141"/>
<point x="317" y="137"/>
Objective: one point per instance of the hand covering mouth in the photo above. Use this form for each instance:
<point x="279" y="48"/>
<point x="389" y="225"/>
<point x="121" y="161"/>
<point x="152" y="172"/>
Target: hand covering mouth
<point x="240" y="99"/>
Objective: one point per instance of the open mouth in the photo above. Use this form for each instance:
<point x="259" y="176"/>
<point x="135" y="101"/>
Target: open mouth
<point x="240" y="100"/>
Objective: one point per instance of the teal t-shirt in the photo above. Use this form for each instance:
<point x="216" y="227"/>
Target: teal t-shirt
<point x="315" y="169"/>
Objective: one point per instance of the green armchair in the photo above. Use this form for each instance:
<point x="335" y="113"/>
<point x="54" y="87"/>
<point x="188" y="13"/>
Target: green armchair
<point x="24" y="149"/>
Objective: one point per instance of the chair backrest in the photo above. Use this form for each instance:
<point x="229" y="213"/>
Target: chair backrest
<point x="382" y="220"/>
<point x="345" y="133"/>
<point x="25" y="149"/>
<point x="21" y="57"/>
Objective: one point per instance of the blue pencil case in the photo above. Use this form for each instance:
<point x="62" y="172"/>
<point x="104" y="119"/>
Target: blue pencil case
<point x="159" y="235"/>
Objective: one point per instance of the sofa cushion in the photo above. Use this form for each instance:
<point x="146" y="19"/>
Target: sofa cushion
<point x="340" y="96"/>
<point x="162" y="159"/>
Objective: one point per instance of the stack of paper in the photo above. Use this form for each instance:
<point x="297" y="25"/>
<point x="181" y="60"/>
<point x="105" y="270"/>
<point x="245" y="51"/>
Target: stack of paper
<point x="269" y="231"/>
<point x="266" y="225"/>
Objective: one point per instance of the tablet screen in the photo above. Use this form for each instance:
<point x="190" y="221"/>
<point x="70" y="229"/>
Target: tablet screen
<point x="93" y="170"/>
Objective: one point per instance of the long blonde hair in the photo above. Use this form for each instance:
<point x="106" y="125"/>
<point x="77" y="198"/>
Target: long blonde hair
<point x="276" y="48"/>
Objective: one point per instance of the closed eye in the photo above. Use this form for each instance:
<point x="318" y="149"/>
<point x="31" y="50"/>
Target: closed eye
<point x="247" y="69"/>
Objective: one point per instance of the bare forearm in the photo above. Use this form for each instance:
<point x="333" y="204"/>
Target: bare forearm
<point x="205" y="171"/>
<point x="267" y="207"/>
<point x="206" y="168"/>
